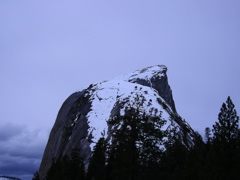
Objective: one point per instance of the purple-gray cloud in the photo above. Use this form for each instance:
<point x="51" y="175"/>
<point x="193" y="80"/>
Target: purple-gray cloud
<point x="20" y="150"/>
<point x="8" y="131"/>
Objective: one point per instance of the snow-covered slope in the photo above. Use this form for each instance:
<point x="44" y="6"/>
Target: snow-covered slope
<point x="104" y="97"/>
<point x="83" y="117"/>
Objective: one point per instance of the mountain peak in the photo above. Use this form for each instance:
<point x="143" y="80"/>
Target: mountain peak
<point x="153" y="70"/>
<point x="145" y="73"/>
<point x="83" y="118"/>
<point x="154" y="77"/>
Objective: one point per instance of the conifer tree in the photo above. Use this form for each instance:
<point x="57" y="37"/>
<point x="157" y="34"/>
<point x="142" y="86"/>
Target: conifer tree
<point x="225" y="137"/>
<point x="97" y="165"/>
<point x="137" y="143"/>
<point x="173" y="162"/>
<point x="36" y="176"/>
<point x="123" y="153"/>
<point x="207" y="135"/>
<point x="56" y="171"/>
<point x="225" y="131"/>
<point x="67" y="168"/>
<point x="75" y="167"/>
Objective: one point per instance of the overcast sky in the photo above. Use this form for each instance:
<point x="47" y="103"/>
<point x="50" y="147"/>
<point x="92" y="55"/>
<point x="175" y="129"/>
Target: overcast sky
<point x="50" y="49"/>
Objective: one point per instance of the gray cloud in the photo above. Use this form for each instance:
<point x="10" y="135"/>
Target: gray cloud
<point x="21" y="150"/>
<point x="8" y="131"/>
<point x="18" y="166"/>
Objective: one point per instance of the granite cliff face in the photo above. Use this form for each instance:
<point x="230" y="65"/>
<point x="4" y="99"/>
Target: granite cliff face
<point x="83" y="117"/>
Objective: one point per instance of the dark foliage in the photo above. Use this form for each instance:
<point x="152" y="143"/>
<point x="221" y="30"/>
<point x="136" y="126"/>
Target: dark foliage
<point x="97" y="165"/>
<point x="36" y="176"/>
<point x="224" y="150"/>
<point x="136" y="151"/>
<point x="67" y="168"/>
<point x="136" y="154"/>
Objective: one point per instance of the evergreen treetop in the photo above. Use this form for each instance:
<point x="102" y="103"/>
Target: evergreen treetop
<point x="226" y="129"/>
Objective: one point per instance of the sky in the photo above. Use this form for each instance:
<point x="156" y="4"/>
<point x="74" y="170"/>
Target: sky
<point x="50" y="49"/>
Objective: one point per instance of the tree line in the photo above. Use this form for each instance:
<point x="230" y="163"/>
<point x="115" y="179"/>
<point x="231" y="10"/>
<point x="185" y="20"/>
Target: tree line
<point x="141" y="150"/>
